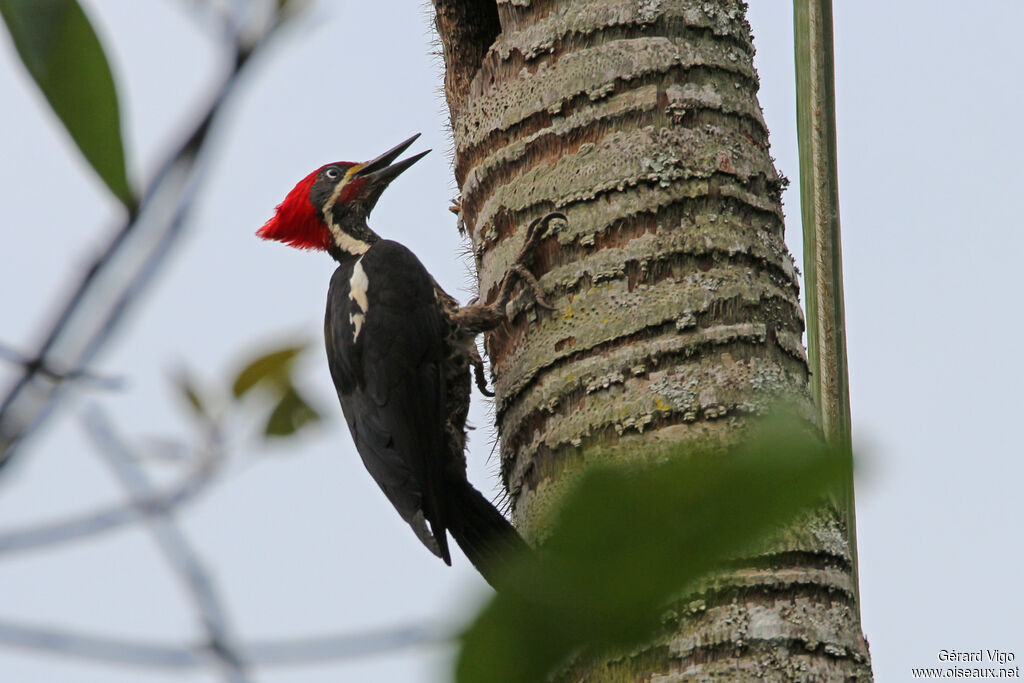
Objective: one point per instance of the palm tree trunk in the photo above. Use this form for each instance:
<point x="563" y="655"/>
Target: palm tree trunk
<point x="676" y="300"/>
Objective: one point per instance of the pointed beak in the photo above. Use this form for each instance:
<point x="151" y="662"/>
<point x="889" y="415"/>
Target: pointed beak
<point x="380" y="172"/>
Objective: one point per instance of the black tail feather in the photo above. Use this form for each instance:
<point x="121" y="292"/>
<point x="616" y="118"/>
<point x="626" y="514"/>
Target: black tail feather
<point x="485" y="536"/>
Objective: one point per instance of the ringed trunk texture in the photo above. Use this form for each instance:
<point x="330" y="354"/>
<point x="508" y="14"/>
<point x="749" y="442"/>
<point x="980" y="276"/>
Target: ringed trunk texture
<point x="676" y="300"/>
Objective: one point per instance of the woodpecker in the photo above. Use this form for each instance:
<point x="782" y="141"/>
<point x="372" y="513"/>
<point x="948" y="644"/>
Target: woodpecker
<point x="400" y="351"/>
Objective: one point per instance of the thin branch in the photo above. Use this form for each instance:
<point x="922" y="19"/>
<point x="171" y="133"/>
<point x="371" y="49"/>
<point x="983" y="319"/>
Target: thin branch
<point x="172" y="543"/>
<point x="334" y="648"/>
<point x="97" y="649"/>
<point x="80" y="375"/>
<point x="311" y="650"/>
<point x="114" y="280"/>
<point x="81" y="526"/>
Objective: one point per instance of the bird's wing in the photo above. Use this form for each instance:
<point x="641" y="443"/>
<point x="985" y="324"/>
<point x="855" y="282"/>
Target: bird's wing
<point x="385" y="349"/>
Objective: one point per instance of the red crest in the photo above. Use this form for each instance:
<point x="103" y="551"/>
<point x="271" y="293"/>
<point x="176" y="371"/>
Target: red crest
<point x="296" y="221"/>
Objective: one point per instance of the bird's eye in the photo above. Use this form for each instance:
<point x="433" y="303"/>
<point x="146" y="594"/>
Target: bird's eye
<point x="332" y="173"/>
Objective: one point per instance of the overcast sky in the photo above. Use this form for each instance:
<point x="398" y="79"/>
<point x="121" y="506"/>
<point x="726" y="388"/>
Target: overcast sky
<point x="302" y="541"/>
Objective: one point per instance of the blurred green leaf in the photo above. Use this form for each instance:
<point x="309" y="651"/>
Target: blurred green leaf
<point x="291" y="414"/>
<point x="63" y="54"/>
<point x="629" y="539"/>
<point x="274" y="367"/>
<point x="187" y="388"/>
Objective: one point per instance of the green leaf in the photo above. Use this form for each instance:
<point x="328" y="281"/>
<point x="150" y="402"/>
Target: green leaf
<point x="629" y="540"/>
<point x="187" y="388"/>
<point x="291" y="414"/>
<point x="273" y="367"/>
<point x="63" y="54"/>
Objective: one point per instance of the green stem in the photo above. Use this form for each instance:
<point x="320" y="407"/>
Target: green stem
<point x="823" y="258"/>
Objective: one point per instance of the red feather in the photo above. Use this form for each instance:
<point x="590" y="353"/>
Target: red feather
<point x="351" y="190"/>
<point x="296" y="221"/>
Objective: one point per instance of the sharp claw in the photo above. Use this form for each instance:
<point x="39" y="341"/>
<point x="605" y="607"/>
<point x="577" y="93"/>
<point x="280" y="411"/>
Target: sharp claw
<point x="479" y="375"/>
<point x="543" y="302"/>
<point x="531" y="281"/>
<point x="532" y="232"/>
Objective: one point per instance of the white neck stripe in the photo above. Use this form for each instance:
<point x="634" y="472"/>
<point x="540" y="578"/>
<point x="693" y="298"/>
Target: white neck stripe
<point x="342" y="239"/>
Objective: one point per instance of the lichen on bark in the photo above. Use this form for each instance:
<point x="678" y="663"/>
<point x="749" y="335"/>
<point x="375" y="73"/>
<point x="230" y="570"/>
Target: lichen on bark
<point x="676" y="300"/>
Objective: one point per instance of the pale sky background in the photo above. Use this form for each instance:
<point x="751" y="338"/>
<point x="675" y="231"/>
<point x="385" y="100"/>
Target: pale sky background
<point x="301" y="540"/>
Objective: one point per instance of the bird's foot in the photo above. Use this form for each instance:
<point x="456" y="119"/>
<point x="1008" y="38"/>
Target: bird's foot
<point x="477" y="317"/>
<point x="534" y="233"/>
<point x="456" y="208"/>
<point x="479" y="376"/>
<point x="530" y="279"/>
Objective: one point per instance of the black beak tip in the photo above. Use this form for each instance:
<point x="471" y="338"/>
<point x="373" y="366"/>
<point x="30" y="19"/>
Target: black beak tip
<point x="419" y="156"/>
<point x="390" y="155"/>
<point x="385" y="167"/>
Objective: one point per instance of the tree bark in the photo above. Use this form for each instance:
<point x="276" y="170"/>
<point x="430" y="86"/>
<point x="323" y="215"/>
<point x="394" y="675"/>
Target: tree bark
<point x="676" y="300"/>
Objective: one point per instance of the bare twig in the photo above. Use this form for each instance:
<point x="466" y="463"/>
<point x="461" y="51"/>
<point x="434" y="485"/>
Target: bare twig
<point x="81" y="526"/>
<point x="113" y="281"/>
<point x="314" y="649"/>
<point x="339" y="647"/>
<point x="111" y="650"/>
<point x="80" y="375"/>
<point x="172" y="543"/>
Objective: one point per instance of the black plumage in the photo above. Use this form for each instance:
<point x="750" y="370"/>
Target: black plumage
<point x="400" y="351"/>
<point x="389" y="362"/>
